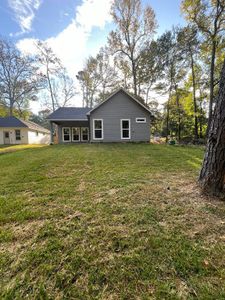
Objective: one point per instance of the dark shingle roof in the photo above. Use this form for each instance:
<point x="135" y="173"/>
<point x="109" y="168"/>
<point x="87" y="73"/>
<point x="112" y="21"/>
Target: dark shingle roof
<point x="18" y="123"/>
<point x="11" y="122"/>
<point x="70" y="113"/>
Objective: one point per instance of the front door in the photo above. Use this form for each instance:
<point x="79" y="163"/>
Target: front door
<point x="6" y="137"/>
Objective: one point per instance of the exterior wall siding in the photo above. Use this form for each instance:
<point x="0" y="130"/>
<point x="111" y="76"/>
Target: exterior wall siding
<point x="12" y="135"/>
<point x="40" y="138"/>
<point x="121" y="106"/>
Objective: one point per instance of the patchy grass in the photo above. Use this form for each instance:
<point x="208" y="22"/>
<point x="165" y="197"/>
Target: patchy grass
<point x="108" y="222"/>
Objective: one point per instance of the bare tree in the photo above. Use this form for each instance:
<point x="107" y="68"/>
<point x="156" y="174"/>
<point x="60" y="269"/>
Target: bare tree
<point x="19" y="81"/>
<point x="50" y="66"/>
<point x="63" y="88"/>
<point x="135" y="28"/>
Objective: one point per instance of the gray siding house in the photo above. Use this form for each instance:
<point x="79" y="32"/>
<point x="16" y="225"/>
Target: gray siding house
<point x="120" y="118"/>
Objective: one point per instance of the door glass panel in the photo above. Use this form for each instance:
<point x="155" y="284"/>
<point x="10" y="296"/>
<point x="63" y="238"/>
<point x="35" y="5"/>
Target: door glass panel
<point x="66" y="134"/>
<point x="76" y="134"/>
<point x="85" y="133"/>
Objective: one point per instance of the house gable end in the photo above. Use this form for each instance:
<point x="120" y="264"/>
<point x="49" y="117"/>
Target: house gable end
<point x="121" y="90"/>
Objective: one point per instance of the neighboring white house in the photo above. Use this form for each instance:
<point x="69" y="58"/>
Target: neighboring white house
<point x="15" y="131"/>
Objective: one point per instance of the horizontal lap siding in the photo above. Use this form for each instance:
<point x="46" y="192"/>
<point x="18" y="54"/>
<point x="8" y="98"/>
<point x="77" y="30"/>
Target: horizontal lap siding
<point x="121" y="106"/>
<point x="36" y="137"/>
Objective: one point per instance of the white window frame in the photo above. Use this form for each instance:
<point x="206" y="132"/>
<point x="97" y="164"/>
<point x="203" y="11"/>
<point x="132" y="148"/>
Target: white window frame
<point x="76" y="141"/>
<point x="102" y="129"/>
<point x="138" y="120"/>
<point x="121" y="129"/>
<point x="82" y="134"/>
<point x="69" y="134"/>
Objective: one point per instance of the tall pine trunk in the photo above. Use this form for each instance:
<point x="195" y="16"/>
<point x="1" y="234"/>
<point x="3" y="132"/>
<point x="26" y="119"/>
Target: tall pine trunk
<point x="213" y="169"/>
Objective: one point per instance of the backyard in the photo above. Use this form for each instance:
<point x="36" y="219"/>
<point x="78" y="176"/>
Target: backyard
<point x="116" y="221"/>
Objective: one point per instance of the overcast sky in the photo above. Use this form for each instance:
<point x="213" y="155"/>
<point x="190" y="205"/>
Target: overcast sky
<point x="74" y="29"/>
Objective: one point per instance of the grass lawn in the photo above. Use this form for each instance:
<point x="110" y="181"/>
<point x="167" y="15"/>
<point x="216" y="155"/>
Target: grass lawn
<point x="108" y="222"/>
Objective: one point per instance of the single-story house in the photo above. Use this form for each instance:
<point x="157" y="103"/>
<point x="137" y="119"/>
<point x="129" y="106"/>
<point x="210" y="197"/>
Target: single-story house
<point x="17" y="131"/>
<point x="119" y="118"/>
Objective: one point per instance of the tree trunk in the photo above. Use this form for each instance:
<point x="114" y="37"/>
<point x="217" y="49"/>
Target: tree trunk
<point x="134" y="77"/>
<point x="11" y="109"/>
<point x="213" y="169"/>
<point x="50" y="88"/>
<point x="194" y="97"/>
<point x="211" y="87"/>
<point x="167" y="119"/>
<point x="179" y="117"/>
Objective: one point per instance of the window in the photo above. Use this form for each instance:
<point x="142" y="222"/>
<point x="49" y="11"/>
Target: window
<point x="98" y="129"/>
<point x="18" y="136"/>
<point x="125" y="129"/>
<point x="6" y="134"/>
<point x="84" y="134"/>
<point x="140" y="120"/>
<point x="75" y="134"/>
<point x="66" y="134"/>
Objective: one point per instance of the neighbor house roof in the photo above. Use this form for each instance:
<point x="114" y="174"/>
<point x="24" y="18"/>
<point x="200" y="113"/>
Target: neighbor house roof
<point x="70" y="114"/>
<point x="114" y="93"/>
<point x="19" y="123"/>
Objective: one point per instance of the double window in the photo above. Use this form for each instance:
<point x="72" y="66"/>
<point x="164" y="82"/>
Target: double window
<point x="125" y="129"/>
<point x="98" y="129"/>
<point x="18" y="135"/>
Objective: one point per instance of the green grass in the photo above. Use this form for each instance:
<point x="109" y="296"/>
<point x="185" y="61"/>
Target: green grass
<point x="117" y="221"/>
<point x="13" y="148"/>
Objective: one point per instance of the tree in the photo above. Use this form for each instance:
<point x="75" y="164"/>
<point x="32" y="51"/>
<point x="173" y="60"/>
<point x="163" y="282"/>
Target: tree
<point x="209" y="17"/>
<point x="19" y="81"/>
<point x="149" y="70"/>
<point x="89" y="81"/>
<point x="212" y="176"/>
<point x="173" y="70"/>
<point x="135" y="27"/>
<point x="98" y="78"/>
<point x="63" y="89"/>
<point x="106" y="73"/>
<point x="189" y="44"/>
<point x="50" y="67"/>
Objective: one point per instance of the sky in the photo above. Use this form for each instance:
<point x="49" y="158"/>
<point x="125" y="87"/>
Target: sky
<point x="75" y="29"/>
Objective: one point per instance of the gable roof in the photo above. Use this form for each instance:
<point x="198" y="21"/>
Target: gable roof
<point x="69" y="114"/>
<point x="113" y="94"/>
<point x="19" y="123"/>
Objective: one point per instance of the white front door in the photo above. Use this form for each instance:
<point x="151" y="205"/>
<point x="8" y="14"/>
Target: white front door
<point x="6" y="137"/>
